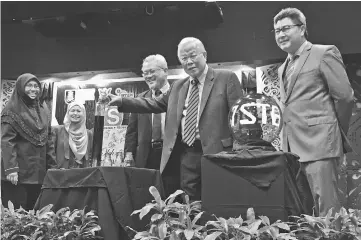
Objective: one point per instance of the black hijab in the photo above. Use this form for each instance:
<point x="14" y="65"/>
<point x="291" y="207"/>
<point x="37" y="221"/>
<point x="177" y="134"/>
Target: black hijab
<point x="18" y="114"/>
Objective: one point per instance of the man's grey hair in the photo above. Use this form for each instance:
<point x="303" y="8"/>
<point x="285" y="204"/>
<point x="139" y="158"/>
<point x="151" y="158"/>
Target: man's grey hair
<point x="294" y="14"/>
<point x="194" y="40"/>
<point x="159" y="59"/>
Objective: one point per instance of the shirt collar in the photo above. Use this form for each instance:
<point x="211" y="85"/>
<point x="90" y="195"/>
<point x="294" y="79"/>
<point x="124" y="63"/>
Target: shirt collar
<point x="202" y="78"/>
<point x="299" y="50"/>
<point x="163" y="89"/>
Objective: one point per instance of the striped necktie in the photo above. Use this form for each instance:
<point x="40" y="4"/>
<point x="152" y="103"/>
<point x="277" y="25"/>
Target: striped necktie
<point x="192" y="113"/>
<point x="289" y="70"/>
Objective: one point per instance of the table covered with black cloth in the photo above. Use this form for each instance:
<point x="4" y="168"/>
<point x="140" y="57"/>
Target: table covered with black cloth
<point x="269" y="181"/>
<point x="113" y="192"/>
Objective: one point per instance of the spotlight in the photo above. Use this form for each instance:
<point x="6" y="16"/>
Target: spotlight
<point x="83" y="25"/>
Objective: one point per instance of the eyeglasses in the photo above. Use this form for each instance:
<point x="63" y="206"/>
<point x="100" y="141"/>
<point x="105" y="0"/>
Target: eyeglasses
<point x="151" y="72"/>
<point x="285" y="29"/>
<point x="192" y="57"/>
<point x="35" y="86"/>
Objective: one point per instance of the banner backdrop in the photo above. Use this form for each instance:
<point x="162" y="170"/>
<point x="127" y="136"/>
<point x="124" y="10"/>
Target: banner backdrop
<point x="268" y="83"/>
<point x="7" y="87"/>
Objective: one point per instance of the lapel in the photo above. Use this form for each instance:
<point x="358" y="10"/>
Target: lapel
<point x="282" y="85"/>
<point x="208" y="84"/>
<point x="301" y="61"/>
<point x="182" y="98"/>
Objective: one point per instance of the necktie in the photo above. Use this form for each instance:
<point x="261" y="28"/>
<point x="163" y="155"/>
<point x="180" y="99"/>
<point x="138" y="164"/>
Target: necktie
<point x="157" y="93"/>
<point x="192" y="112"/>
<point x="157" y="122"/>
<point x="289" y="71"/>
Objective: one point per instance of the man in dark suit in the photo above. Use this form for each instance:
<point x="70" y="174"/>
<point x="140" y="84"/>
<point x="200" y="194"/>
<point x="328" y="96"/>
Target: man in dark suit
<point x="197" y="116"/>
<point x="317" y="99"/>
<point x="144" y="137"/>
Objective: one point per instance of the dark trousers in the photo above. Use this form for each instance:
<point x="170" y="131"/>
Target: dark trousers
<point x="183" y="170"/>
<point x="322" y="175"/>
<point x="24" y="195"/>
<point x="154" y="157"/>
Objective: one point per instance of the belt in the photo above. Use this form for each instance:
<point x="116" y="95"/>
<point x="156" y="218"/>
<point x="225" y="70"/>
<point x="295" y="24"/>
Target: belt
<point x="157" y="144"/>
<point x="196" y="145"/>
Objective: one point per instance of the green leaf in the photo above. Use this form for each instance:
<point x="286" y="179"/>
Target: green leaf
<point x="156" y="217"/>
<point x="162" y="230"/>
<point x="171" y="197"/>
<point x="141" y="235"/>
<point x="253" y="227"/>
<point x="155" y="193"/>
<point x="224" y="224"/>
<point x="145" y="210"/>
<point x="42" y="212"/>
<point x="95" y="229"/>
<point x="274" y="232"/>
<point x="196" y="218"/>
<point x="265" y="220"/>
<point x="11" y="207"/>
<point x="250" y="214"/>
<point x="173" y="236"/>
<point x="186" y="197"/>
<point x="136" y="212"/>
<point x="282" y="225"/>
<point x="188" y="234"/>
<point x="286" y="236"/>
<point x="213" y="236"/>
<point x="337" y="223"/>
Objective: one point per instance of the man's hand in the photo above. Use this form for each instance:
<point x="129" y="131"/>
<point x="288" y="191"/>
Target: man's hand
<point x="114" y="100"/>
<point x="13" y="178"/>
<point x="129" y="160"/>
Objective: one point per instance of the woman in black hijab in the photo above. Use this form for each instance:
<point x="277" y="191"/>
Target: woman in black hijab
<point x="26" y="148"/>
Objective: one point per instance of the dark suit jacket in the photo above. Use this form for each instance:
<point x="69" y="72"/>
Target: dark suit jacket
<point x="139" y="135"/>
<point x="317" y="106"/>
<point x="221" y="90"/>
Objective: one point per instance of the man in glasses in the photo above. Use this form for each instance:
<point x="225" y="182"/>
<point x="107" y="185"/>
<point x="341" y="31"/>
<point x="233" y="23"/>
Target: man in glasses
<point x="197" y="117"/>
<point x="144" y="137"/>
<point x="317" y="100"/>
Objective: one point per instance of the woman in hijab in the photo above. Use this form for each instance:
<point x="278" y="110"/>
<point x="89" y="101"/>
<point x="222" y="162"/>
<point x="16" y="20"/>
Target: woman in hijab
<point x="73" y="142"/>
<point x="26" y="147"/>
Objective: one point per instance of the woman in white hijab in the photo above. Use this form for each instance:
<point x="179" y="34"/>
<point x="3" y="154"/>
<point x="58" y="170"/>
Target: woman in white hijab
<point x="73" y="142"/>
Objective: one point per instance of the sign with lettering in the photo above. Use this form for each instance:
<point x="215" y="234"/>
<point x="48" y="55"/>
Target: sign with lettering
<point x="255" y="117"/>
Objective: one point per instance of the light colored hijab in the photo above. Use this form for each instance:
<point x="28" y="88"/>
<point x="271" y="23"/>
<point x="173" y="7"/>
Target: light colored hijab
<point x="78" y="135"/>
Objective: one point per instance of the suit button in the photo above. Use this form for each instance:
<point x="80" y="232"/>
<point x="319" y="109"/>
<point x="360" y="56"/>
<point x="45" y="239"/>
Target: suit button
<point x="171" y="149"/>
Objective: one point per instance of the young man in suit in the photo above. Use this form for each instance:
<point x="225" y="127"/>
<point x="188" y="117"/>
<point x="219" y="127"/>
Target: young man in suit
<point x="197" y="117"/>
<point x="144" y="137"/>
<point x="317" y="99"/>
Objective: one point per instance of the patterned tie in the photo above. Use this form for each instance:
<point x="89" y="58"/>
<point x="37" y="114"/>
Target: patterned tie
<point x="192" y="112"/>
<point x="289" y="71"/>
<point x="157" y="122"/>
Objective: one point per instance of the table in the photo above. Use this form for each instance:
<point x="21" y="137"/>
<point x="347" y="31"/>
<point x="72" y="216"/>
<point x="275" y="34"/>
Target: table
<point x="232" y="182"/>
<point x="113" y="192"/>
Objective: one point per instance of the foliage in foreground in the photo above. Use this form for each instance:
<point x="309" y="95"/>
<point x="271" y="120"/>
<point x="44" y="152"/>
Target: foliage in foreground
<point x="44" y="224"/>
<point x="172" y="220"/>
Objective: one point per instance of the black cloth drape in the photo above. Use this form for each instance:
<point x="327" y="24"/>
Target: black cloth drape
<point x="265" y="180"/>
<point x="114" y="192"/>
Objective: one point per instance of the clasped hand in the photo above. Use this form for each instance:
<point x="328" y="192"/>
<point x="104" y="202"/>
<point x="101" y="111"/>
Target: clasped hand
<point x="13" y="178"/>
